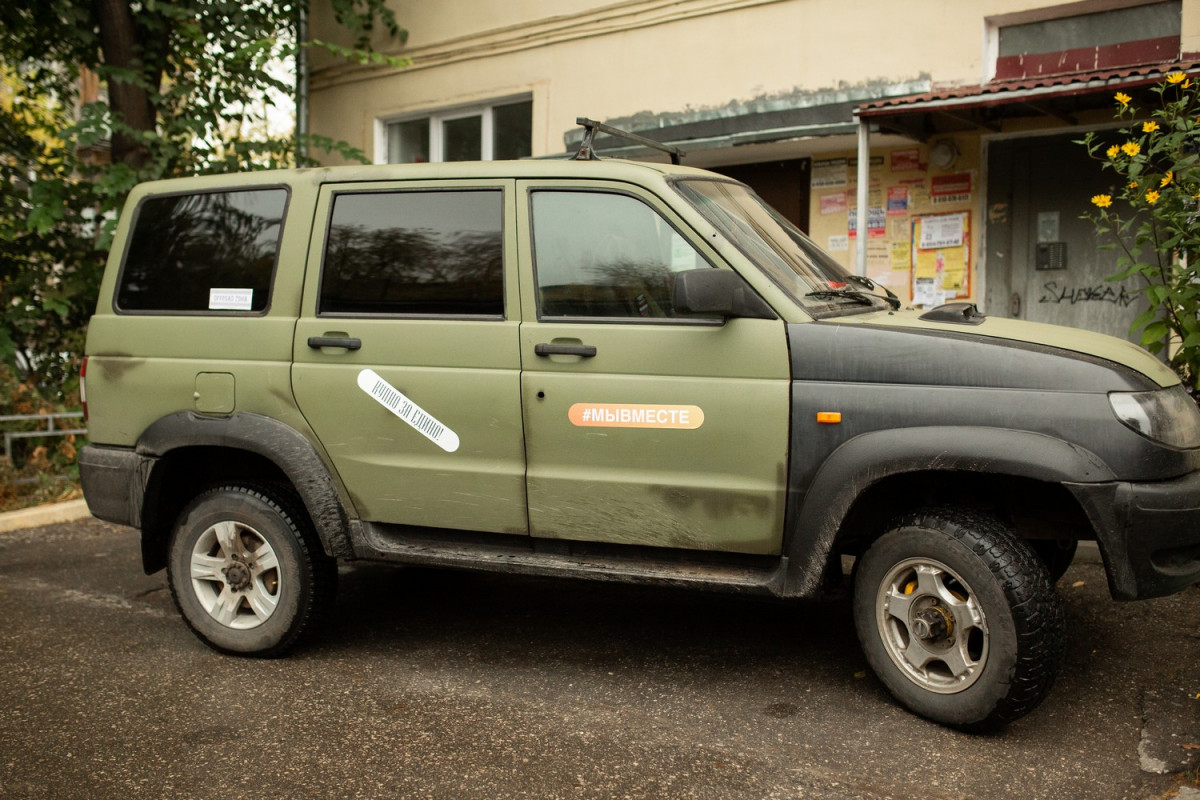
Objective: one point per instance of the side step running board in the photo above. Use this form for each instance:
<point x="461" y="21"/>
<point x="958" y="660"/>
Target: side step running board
<point x="522" y="555"/>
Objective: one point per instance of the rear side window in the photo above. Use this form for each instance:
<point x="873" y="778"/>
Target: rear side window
<point x="427" y="253"/>
<point x="208" y="252"/>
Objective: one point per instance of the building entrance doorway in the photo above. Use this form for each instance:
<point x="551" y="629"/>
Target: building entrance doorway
<point x="783" y="184"/>
<point x="1043" y="262"/>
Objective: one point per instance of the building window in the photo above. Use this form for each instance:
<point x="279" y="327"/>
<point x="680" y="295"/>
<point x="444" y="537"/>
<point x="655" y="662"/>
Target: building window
<point x="480" y="133"/>
<point x="1147" y="33"/>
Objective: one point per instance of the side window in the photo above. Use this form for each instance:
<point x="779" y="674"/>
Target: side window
<point x="605" y="255"/>
<point x="431" y="252"/>
<point x="214" y="251"/>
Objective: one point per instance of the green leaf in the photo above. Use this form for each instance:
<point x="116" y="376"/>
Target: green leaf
<point x="1143" y="319"/>
<point x="1154" y="332"/>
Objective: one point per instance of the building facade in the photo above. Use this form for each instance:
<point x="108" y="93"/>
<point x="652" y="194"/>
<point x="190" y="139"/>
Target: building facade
<point x="952" y="123"/>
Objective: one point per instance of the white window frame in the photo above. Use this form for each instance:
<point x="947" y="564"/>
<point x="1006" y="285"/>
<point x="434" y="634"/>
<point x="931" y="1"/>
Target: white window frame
<point x="437" y="120"/>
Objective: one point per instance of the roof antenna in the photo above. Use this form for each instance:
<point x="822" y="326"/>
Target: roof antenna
<point x="587" y="150"/>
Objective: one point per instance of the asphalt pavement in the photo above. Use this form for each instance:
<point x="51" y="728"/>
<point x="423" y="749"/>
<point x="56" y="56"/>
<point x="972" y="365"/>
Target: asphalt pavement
<point x="430" y="684"/>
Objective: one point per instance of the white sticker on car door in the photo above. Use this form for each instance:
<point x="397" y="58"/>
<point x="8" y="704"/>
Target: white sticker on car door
<point x="418" y="418"/>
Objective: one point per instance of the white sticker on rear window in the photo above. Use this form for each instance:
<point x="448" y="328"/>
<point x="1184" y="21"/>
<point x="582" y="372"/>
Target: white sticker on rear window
<point x="230" y="299"/>
<point x="396" y="402"/>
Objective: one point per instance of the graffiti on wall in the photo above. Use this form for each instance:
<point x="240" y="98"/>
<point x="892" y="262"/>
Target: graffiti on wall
<point x="1073" y="295"/>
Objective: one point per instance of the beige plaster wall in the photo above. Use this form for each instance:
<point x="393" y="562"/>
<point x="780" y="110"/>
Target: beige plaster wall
<point x="611" y="60"/>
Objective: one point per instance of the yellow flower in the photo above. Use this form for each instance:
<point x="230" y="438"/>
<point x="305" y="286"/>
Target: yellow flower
<point x="1149" y="127"/>
<point x="1102" y="200"/>
<point x="1114" y="151"/>
<point x="1123" y="98"/>
<point x="1166" y="179"/>
<point x="1133" y="184"/>
<point x="1151" y="197"/>
<point x="1131" y="149"/>
<point x="1179" y="79"/>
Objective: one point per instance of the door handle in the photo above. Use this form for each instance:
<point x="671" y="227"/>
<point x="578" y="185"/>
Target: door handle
<point x="545" y="349"/>
<point x="348" y="342"/>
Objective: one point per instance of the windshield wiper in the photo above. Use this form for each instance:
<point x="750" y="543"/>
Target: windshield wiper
<point x="856" y="295"/>
<point x="871" y="285"/>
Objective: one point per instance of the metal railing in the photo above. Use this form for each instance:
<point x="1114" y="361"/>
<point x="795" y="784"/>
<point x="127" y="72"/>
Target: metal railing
<point x="51" y="428"/>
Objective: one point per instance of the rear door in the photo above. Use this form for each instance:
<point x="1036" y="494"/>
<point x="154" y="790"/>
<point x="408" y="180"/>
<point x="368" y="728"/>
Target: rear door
<point x="406" y="359"/>
<point x="643" y="426"/>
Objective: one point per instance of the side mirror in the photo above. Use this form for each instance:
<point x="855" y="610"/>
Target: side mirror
<point x="717" y="291"/>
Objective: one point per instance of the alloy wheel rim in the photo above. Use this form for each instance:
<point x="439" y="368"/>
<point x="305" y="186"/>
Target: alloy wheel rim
<point x="932" y="626"/>
<point x="235" y="575"/>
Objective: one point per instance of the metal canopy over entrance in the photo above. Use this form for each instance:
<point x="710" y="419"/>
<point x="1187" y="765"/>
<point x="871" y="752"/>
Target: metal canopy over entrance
<point x="985" y="107"/>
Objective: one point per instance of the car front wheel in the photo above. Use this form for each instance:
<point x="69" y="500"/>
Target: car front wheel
<point x="958" y="618"/>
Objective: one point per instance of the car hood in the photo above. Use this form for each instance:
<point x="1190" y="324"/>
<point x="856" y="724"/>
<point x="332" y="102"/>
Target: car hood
<point x="1071" y="340"/>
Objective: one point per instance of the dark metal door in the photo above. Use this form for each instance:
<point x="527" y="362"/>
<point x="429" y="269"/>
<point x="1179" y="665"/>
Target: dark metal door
<point x="1044" y="262"/>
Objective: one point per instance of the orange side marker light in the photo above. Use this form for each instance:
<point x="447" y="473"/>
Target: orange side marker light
<point x="829" y="417"/>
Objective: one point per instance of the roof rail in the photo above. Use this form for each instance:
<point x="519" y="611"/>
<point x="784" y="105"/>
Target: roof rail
<point x="587" y="152"/>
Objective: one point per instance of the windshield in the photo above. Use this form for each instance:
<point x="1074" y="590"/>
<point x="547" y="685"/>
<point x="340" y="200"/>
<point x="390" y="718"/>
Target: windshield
<point x="791" y="259"/>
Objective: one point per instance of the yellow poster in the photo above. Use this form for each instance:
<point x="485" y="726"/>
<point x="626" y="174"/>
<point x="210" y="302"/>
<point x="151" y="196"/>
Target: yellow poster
<point x="941" y="257"/>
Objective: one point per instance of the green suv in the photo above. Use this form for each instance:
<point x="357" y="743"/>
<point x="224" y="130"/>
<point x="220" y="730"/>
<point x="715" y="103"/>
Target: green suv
<point x="615" y="371"/>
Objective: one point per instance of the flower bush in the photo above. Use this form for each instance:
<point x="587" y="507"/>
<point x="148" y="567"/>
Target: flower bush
<point x="1153" y="215"/>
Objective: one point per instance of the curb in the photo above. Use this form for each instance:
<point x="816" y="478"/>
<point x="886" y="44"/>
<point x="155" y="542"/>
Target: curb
<point x="43" y="515"/>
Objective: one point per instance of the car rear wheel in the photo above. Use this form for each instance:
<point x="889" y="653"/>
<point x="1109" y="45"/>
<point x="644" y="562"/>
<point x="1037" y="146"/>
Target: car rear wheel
<point x="958" y="618"/>
<point x="246" y="571"/>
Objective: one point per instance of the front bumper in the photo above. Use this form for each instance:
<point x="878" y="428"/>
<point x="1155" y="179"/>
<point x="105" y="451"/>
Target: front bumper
<point x="1148" y="533"/>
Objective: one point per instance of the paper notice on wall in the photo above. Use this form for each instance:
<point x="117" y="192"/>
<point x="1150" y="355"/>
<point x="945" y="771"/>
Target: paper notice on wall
<point x="829" y="174"/>
<point x="941" y="231"/>
<point x="897" y="201"/>
<point x="941" y="254"/>
<point x="927" y="292"/>
<point x="833" y="203"/>
<point x="876" y="222"/>
<point x="951" y="189"/>
<point x="838" y="243"/>
<point x="918" y="193"/>
<point x="878" y="254"/>
<point x="907" y="160"/>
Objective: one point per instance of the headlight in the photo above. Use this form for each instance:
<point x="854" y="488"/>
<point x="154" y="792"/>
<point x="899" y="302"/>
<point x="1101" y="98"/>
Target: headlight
<point x="1168" y="416"/>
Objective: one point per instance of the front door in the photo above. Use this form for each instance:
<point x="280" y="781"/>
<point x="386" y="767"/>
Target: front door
<point x="406" y="363"/>
<point x="1044" y="262"/>
<point x="642" y="426"/>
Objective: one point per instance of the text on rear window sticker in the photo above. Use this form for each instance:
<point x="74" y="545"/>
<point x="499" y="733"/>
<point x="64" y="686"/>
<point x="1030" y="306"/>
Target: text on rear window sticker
<point x="230" y="299"/>
<point x="418" y="418"/>
<point x="629" y="415"/>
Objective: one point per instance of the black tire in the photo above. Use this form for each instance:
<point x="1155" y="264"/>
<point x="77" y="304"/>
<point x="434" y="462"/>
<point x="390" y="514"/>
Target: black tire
<point x="247" y="571"/>
<point x="1056" y="554"/>
<point x="958" y="618"/>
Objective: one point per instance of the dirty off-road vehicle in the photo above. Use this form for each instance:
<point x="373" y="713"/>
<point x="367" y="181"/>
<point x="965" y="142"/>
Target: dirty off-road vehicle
<point x="617" y="371"/>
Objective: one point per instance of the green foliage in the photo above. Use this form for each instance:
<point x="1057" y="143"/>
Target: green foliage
<point x="187" y="88"/>
<point x="1152" y="217"/>
<point x="42" y="470"/>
